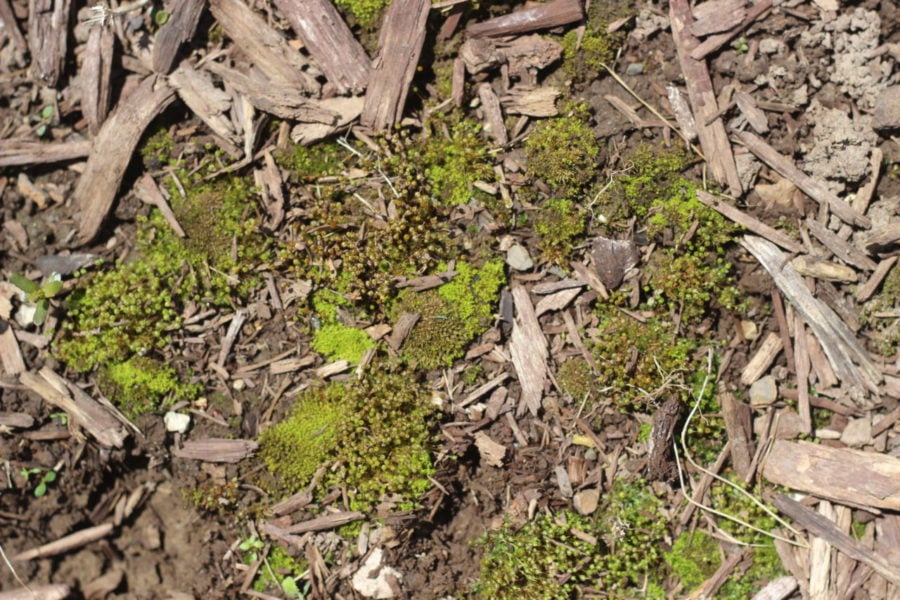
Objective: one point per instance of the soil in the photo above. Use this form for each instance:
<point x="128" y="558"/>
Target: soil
<point x="817" y="73"/>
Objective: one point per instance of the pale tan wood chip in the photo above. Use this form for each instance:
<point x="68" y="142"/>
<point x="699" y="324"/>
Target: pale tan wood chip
<point x="490" y="451"/>
<point x="627" y="111"/>
<point x="528" y="349"/>
<point x="325" y="522"/>
<point x="16" y="420"/>
<point x="264" y="46"/>
<point x="338" y="366"/>
<point x="345" y="111"/>
<point x="10" y="353"/>
<point x="83" y="411"/>
<point x="738" y="424"/>
<point x="532" y="18"/>
<point x="17" y="152"/>
<point x="821" y="367"/>
<point x="280" y="534"/>
<point x="716" y="16"/>
<point x="67" y="543"/>
<point x="47" y="38"/>
<point x="713" y="43"/>
<point x="483" y="389"/>
<point x="802" y="364"/>
<point x="810" y="266"/>
<point x="329" y="41"/>
<point x="234" y="328"/>
<point x="820" y="555"/>
<point x="209" y="103"/>
<point x="112" y="151"/>
<point x="755" y="117"/>
<point x="148" y="192"/>
<point x="404" y="325"/>
<point x="531" y="101"/>
<point x="291" y="365"/>
<point x="50" y="591"/>
<point x="399" y="48"/>
<point x="841" y="248"/>
<point x="865" y="291"/>
<point x="552" y="287"/>
<point x="458" y="82"/>
<point x="216" y="450"/>
<point x="590" y="277"/>
<point x="762" y="359"/>
<point x="183" y="18"/>
<point x="710" y="128"/>
<point x="96" y="68"/>
<point x="556" y="301"/>
<point x="823" y="471"/>
<point x="812" y="188"/>
<point x="819" y="526"/>
<point x="867" y="191"/>
<point x="883" y="238"/>
<point x="682" y="111"/>
<point x="779" y="588"/>
<point x="10" y="27"/>
<point x="102" y="586"/>
<point x="493" y="116"/>
<point x="848" y="358"/>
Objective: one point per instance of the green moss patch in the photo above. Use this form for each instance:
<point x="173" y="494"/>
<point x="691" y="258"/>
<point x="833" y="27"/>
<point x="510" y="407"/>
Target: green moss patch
<point x="563" y="152"/>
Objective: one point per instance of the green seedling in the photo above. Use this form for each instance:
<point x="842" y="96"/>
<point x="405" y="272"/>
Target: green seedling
<point x="48" y="477"/>
<point x="251" y="547"/>
<point x="61" y="418"/>
<point x="38" y="296"/>
<point x="43" y="119"/>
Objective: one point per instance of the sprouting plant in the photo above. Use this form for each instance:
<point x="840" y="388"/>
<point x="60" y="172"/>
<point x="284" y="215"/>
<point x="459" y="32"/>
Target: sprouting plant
<point x="740" y="45"/>
<point x="38" y="296"/>
<point x="43" y="120"/>
<point x="251" y="547"/>
<point x="48" y="477"/>
<point x="61" y="418"/>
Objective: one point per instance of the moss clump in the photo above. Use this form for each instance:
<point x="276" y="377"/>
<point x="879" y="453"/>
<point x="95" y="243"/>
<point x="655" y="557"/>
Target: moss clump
<point x="339" y="342"/>
<point x="366" y="12"/>
<point x="277" y="568"/>
<point x="576" y="378"/>
<point x="545" y="559"/>
<point x="141" y="385"/>
<point x="694" y="558"/>
<point x="559" y="224"/>
<point x="637" y="359"/>
<point x="305" y="164"/>
<point x="455" y="161"/>
<point x="377" y="431"/>
<point x="585" y="52"/>
<point x="451" y="316"/>
<point x="157" y="150"/>
<point x="880" y="315"/>
<point x="563" y="152"/>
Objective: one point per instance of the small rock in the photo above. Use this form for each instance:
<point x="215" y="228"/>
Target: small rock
<point x="586" y="501"/>
<point x="371" y="580"/>
<point x="763" y="392"/>
<point x="887" y="110"/>
<point x="858" y="432"/>
<point x="517" y="258"/>
<point x="176" y="422"/>
<point x="634" y="68"/>
<point x="750" y="330"/>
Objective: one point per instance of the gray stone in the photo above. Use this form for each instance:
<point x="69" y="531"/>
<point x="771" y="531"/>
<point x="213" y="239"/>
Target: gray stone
<point x="517" y="258"/>
<point x="763" y="392"/>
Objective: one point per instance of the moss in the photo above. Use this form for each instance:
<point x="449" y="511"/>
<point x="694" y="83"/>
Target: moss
<point x="454" y="161"/>
<point x="586" y="51"/>
<point x="576" y="378"/>
<point x="305" y="164"/>
<point x="879" y="315"/>
<point x="366" y="12"/>
<point x="694" y="558"/>
<point x="636" y="360"/>
<point x="278" y="566"/>
<point x="214" y="498"/>
<point x="563" y="152"/>
<point x="545" y="559"/>
<point x="559" y="224"/>
<point x="376" y="431"/>
<point x="157" y="150"/>
<point x="451" y="316"/>
<point x="141" y="385"/>
<point x="339" y="342"/>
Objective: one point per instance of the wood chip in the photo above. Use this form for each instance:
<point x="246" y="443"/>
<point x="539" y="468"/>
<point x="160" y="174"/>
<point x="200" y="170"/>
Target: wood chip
<point x="884" y="238"/>
<point x="399" y="48"/>
<point x="216" y="450"/>
<point x="532" y="18"/>
<point x="329" y="41"/>
<point x="16" y="152"/>
<point x="762" y="359"/>
<point x="113" y="150"/>
<point x="812" y="188"/>
<point x="682" y="111"/>
<point x="67" y="543"/>
<point x="209" y="103"/>
<point x="183" y="18"/>
<point x="50" y="591"/>
<point x="840" y="247"/>
<point x="557" y="301"/>
<point x="528" y="350"/>
<point x="96" y="69"/>
<point x="325" y="522"/>
<point x="402" y="327"/>
<point x="47" y="38"/>
<point x="16" y="420"/>
<point x="810" y="266"/>
<point x="10" y="27"/>
<point x="755" y="117"/>
<point x="10" y="353"/>
<point x="83" y="411"/>
<point x="716" y="16"/>
<point x="713" y="43"/>
<point x="737" y="416"/>
<point x="493" y="116"/>
<point x="848" y="358"/>
<point x="612" y="259"/>
<point x="710" y="129"/>
<point x="865" y="291"/>
<point x="491" y="452"/>
<point x="531" y="101"/>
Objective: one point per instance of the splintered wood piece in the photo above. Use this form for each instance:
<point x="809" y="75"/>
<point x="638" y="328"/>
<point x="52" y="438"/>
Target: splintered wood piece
<point x="810" y="186"/>
<point x="819" y="526"/>
<point x="399" y="48"/>
<point x="738" y="424"/>
<point x="112" y="151"/>
<point x="755" y="117"/>
<point x="263" y="46"/>
<point x="490" y="451"/>
<point x="848" y="358"/>
<point x="10" y="353"/>
<point x="823" y="471"/>
<point x="10" y="27"/>
<point x="716" y="16"/>
<point x="16" y="152"/>
<point x="866" y="290"/>
<point x="867" y="191"/>
<point x="70" y="542"/>
<point x="528" y="349"/>
<point x="710" y="129"/>
<point x="95" y="73"/>
<point x="329" y="41"/>
<point x="682" y="111"/>
<point x="556" y="301"/>
<point x="280" y="100"/>
<point x="404" y="325"/>
<point x="762" y="359"/>
<point x="216" y="450"/>
<point x="47" y="35"/>
<point x="883" y="238"/>
<point x="531" y="102"/>
<point x="810" y="266"/>
<point x="83" y="410"/>
<point x="533" y="18"/>
<point x="209" y="103"/>
<point x="51" y="591"/>
<point x="183" y="18"/>
<point x="713" y="43"/>
<point x="493" y="116"/>
<point x="840" y="247"/>
<point x="148" y="192"/>
<point x="325" y="522"/>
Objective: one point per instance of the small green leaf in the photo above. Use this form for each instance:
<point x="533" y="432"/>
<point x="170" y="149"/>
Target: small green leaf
<point x="40" y="489"/>
<point x="23" y="283"/>
<point x="40" y="313"/>
<point x="41" y="131"/>
<point x="161" y="17"/>
<point x="289" y="587"/>
<point x="49" y="476"/>
<point x="47" y="112"/>
<point x="51" y="288"/>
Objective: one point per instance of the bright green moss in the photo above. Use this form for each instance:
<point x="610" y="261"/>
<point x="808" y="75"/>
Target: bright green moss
<point x="141" y="385"/>
<point x="158" y="149"/>
<point x="376" y="430"/>
<point x="451" y="316"/>
<point x="544" y="559"/>
<point x="564" y="152"/>
<point x="586" y="51"/>
<point x="366" y="12"/>
<point x="339" y="342"/>
<point x="305" y="164"/>
<point x="694" y="558"/>
<point x="453" y="165"/>
<point x="278" y="566"/>
<point x="559" y="224"/>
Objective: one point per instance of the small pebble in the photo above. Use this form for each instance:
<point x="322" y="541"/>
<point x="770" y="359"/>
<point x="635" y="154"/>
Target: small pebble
<point x="586" y="501"/>
<point x="517" y="258"/>
<point x="634" y="68"/>
<point x="763" y="392"/>
<point x="176" y="422"/>
<point x="858" y="432"/>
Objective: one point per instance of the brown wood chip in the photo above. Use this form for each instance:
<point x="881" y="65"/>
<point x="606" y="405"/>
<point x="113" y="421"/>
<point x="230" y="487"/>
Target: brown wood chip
<point x="96" y="68"/>
<point x="325" y="522"/>
<point x="491" y="452"/>
<point x="532" y="18"/>
<point x="183" y="18"/>
<point x="47" y="37"/>
<point x="16" y="152"/>
<point x="528" y="349"/>
<point x="217" y="450"/>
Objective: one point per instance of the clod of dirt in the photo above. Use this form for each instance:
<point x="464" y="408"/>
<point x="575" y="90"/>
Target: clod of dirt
<point x="373" y="580"/>
<point x="841" y="146"/>
<point x="887" y="111"/>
